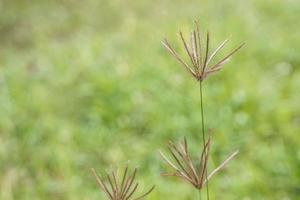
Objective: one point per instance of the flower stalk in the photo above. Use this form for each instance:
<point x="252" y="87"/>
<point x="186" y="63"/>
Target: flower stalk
<point x="200" y="65"/>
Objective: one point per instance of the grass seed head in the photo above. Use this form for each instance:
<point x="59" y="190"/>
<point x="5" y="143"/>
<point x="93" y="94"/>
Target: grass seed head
<point x="186" y="169"/>
<point x="200" y="65"/>
<point x="120" y="188"/>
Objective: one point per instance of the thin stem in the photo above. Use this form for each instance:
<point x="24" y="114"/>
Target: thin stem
<point x="199" y="194"/>
<point x="203" y="132"/>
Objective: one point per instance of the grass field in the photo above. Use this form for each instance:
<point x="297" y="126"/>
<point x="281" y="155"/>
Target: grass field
<point x="88" y="84"/>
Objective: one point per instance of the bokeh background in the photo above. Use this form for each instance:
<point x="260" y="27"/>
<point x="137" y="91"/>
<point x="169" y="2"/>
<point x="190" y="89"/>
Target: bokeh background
<point x="88" y="84"/>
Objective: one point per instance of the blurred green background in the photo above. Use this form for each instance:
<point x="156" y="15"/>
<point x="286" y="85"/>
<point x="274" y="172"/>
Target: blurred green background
<point x="88" y="84"/>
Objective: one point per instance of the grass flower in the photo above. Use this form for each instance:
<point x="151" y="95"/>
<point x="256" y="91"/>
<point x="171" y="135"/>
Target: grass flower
<point x="117" y="188"/>
<point x="186" y="169"/>
<point x="200" y="66"/>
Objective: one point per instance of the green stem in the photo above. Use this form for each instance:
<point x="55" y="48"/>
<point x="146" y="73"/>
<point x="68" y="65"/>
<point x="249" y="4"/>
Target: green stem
<point x="203" y="133"/>
<point x="199" y="194"/>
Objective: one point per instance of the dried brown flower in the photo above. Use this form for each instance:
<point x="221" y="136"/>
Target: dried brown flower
<point x="186" y="169"/>
<point x="201" y="66"/>
<point x="117" y="188"/>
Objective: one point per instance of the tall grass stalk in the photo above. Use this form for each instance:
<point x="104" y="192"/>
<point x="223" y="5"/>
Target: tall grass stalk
<point x="200" y="66"/>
